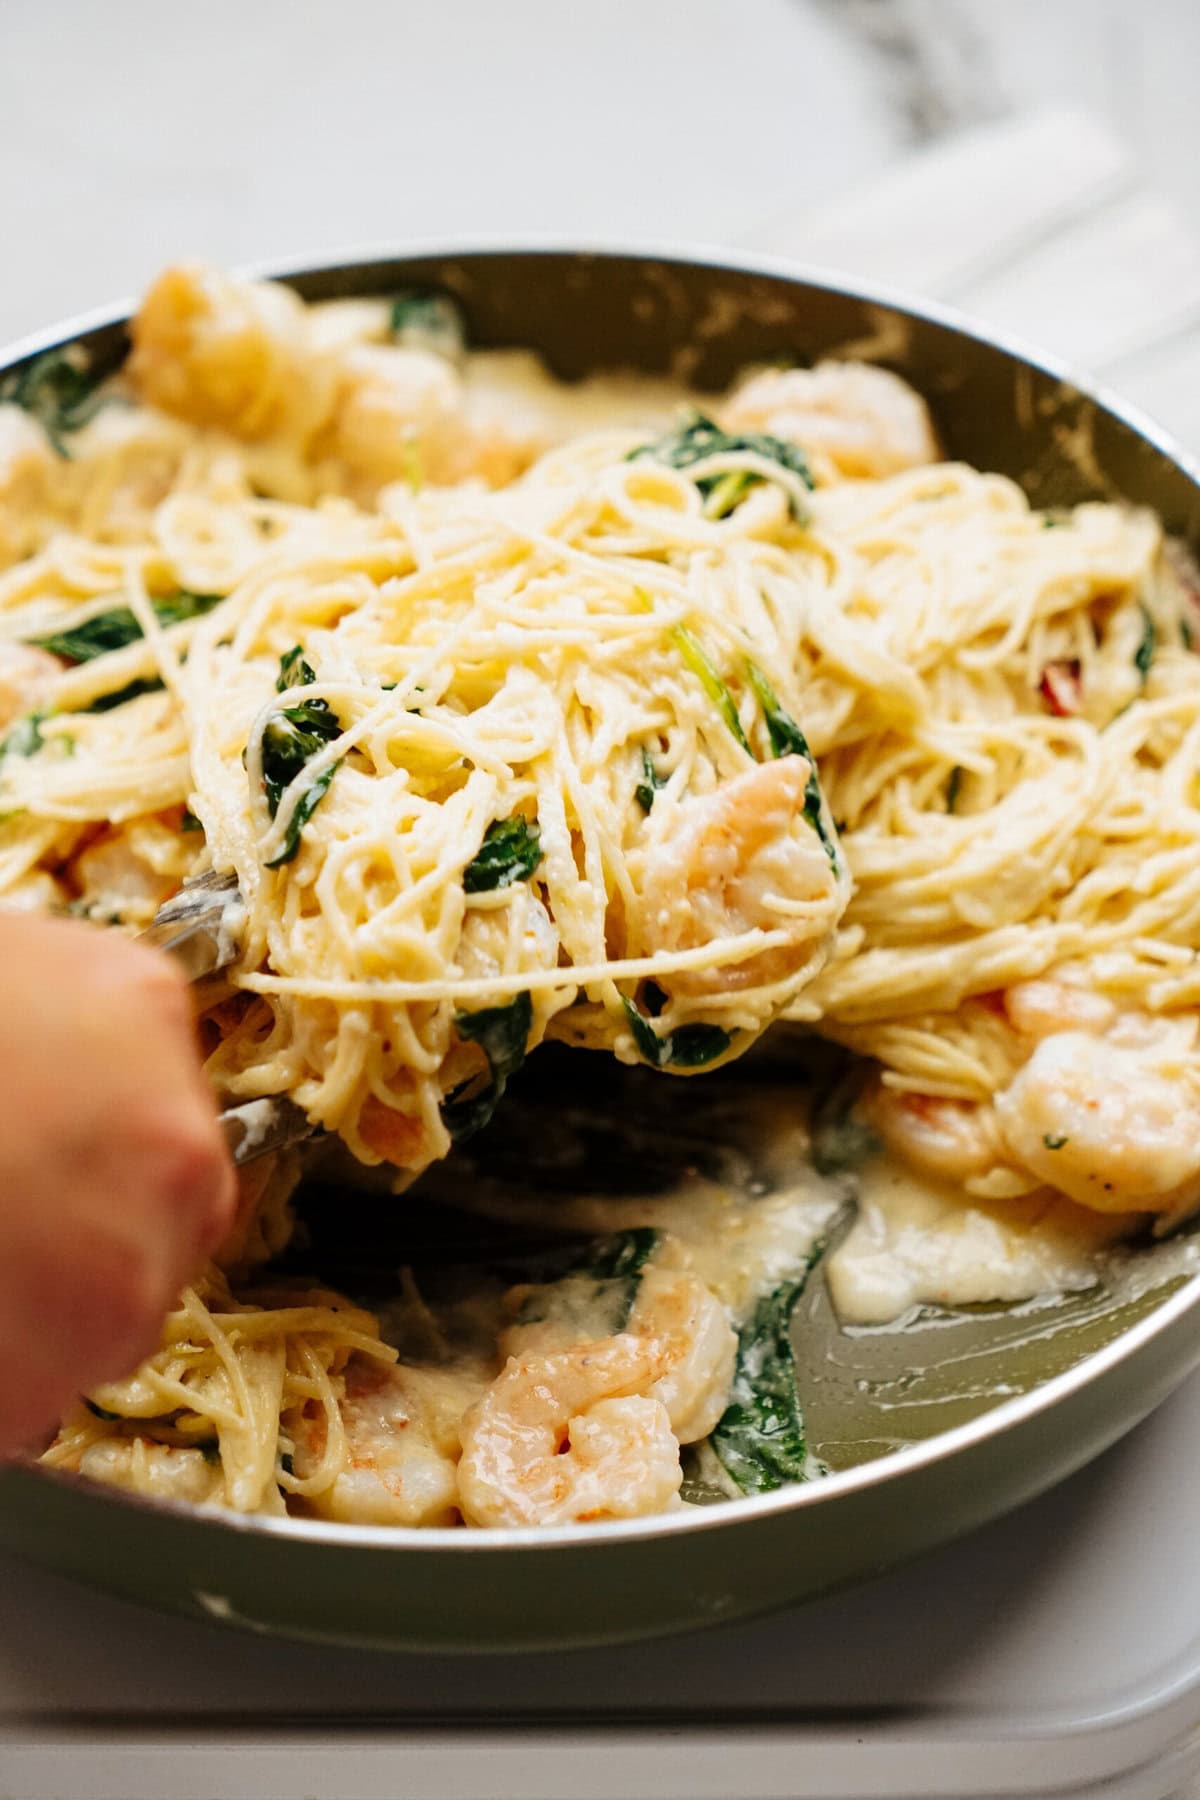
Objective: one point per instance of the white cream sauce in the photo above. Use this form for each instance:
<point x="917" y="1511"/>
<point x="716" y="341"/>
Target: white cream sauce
<point x="740" y="1246"/>
<point x="515" y="385"/>
<point x="915" y="1243"/>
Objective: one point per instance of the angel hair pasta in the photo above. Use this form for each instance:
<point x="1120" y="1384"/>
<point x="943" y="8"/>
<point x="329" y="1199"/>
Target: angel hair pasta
<point x="611" y="717"/>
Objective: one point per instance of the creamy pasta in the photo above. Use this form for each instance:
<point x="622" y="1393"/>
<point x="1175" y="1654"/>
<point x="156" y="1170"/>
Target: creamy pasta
<point x="520" y="713"/>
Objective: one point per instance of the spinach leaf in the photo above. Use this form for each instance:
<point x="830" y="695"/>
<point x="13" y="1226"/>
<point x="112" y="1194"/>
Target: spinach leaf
<point x="619" y="1260"/>
<point x="645" y="790"/>
<point x="173" y="609"/>
<point x="57" y="390"/>
<point x="114" y="630"/>
<point x="650" y="1047"/>
<point x="694" y="1046"/>
<point x="841" y="1139"/>
<point x="624" y="1253"/>
<point x="598" y="1291"/>
<point x="1143" y="656"/>
<point x="511" y="851"/>
<point x="699" y="438"/>
<point x="24" y="738"/>
<point x="760" y="1437"/>
<point x="502" y="1032"/>
<point x="687" y="1047"/>
<point x="426" y="320"/>
<point x="95" y="637"/>
<point x="787" y="739"/>
<point x="291" y="738"/>
<point x="693" y="653"/>
<point x="293" y="670"/>
<point x="302" y="812"/>
<point x="150" y="684"/>
<point x="190" y="822"/>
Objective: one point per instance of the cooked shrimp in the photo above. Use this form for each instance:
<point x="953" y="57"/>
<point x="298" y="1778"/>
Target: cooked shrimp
<point x="1039" y="1008"/>
<point x="164" y="1471"/>
<point x="851" y="419"/>
<point x="407" y="414"/>
<point x="672" y="1308"/>
<point x="400" y="417"/>
<point x="683" y="1317"/>
<point x="222" y="352"/>
<point x="133" y="868"/>
<point x="740" y="858"/>
<point x="338" y="325"/>
<point x="36" y="891"/>
<point x="508" y="428"/>
<point x="957" y="1141"/>
<point x="1108" y="1123"/>
<point x="393" y="1134"/>
<point x="950" y="1139"/>
<point x="571" y="1436"/>
<point x="402" y="1445"/>
<point x="520" y="935"/>
<point x="26" y="675"/>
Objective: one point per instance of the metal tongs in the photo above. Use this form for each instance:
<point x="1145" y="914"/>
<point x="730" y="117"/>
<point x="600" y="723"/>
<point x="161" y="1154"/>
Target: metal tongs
<point x="201" y="928"/>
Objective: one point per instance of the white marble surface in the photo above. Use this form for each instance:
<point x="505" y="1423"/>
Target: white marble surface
<point x="132" y="133"/>
<point x="279" y="127"/>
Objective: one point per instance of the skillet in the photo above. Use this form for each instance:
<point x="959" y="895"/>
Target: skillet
<point x="964" y="1416"/>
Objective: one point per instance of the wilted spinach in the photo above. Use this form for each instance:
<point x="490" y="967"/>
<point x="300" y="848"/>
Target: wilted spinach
<point x="502" y="1033"/>
<point x="425" y="320"/>
<point x="598" y="1288"/>
<point x="760" y="1438"/>
<point x="624" y="1253"/>
<point x="646" y="789"/>
<point x="113" y="630"/>
<point x="787" y="739"/>
<point x="696" y="658"/>
<point x="24" y="738"/>
<point x="291" y="738"/>
<point x="57" y="390"/>
<point x="1143" y="656"/>
<point x="149" y="684"/>
<point x="699" y="438"/>
<point x="511" y="851"/>
<point x="687" y="1047"/>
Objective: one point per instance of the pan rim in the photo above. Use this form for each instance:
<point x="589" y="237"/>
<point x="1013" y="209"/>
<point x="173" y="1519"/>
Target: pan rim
<point x="698" y="254"/>
<point x="997" y="1422"/>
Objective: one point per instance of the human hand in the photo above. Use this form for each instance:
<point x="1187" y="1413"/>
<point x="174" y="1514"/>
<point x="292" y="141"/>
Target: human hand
<point x="115" y="1183"/>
